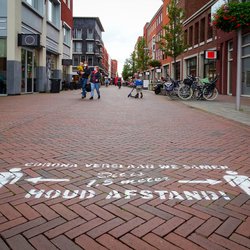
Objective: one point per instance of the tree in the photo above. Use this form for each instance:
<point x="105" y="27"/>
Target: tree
<point x="172" y="42"/>
<point x="142" y="56"/>
<point x="154" y="64"/>
<point x="126" y="72"/>
<point x="129" y="67"/>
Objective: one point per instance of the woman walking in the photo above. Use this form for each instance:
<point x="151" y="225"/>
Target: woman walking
<point x="95" y="79"/>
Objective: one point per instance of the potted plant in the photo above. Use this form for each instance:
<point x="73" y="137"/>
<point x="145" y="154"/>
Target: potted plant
<point x="232" y="16"/>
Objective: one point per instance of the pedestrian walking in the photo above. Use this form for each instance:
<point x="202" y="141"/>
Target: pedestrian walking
<point x="84" y="73"/>
<point x="95" y="79"/>
<point x="107" y="81"/>
<point x="116" y="81"/>
<point x="138" y="84"/>
<point x="119" y="82"/>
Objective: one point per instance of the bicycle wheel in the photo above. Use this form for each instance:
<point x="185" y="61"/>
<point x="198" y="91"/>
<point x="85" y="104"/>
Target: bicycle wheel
<point x="185" y="92"/>
<point x="210" y="94"/>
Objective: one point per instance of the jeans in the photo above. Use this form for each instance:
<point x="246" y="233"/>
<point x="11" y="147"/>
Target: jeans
<point x="84" y="82"/>
<point x="93" y="87"/>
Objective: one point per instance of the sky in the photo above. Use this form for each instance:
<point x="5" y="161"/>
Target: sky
<point x="122" y="20"/>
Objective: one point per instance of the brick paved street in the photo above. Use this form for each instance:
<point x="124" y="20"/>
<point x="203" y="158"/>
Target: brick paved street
<point x="121" y="173"/>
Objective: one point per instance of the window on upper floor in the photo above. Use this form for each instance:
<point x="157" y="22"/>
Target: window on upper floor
<point x="196" y="33"/>
<point x="69" y="3"/>
<point x="202" y="29"/>
<point x="54" y="12"/>
<point x="90" y="47"/>
<point x="66" y="35"/>
<point x="90" y="34"/>
<point x="36" y="4"/>
<point x="77" y="47"/>
<point x="167" y="10"/>
<point x="209" y="28"/>
<point x="77" y="33"/>
<point x="190" y="35"/>
<point x="185" y="37"/>
<point x="76" y="60"/>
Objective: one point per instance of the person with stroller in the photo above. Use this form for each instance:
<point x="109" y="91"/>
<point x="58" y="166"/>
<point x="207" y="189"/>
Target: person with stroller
<point x="95" y="80"/>
<point x="138" y="85"/>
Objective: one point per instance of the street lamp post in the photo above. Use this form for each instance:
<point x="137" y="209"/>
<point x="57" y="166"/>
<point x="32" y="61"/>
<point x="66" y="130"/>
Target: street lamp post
<point x="239" y="64"/>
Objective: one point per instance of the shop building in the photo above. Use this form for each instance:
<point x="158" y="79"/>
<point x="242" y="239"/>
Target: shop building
<point x="31" y="45"/>
<point x="67" y="26"/>
<point x="200" y="38"/>
<point x="227" y="46"/>
<point x="152" y="35"/>
<point x="114" y="68"/>
<point x="105" y="62"/>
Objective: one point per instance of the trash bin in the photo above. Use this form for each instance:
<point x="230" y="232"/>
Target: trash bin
<point x="55" y="85"/>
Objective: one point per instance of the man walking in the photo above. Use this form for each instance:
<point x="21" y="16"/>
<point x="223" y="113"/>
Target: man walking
<point x="84" y="77"/>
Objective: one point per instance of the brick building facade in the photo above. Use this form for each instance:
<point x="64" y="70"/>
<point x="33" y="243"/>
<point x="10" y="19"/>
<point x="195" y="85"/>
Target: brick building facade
<point x="114" y="68"/>
<point x="200" y="38"/>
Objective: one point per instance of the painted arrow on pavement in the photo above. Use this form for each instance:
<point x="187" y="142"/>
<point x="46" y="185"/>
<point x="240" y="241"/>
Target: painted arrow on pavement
<point x="207" y="181"/>
<point x="40" y="179"/>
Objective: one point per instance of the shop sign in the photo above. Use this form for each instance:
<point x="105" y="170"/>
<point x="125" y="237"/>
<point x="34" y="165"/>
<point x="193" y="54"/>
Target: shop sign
<point x="67" y="62"/>
<point x="211" y="54"/>
<point x="29" y="40"/>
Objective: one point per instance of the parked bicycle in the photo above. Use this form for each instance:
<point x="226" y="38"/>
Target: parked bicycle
<point x="198" y="88"/>
<point x="169" y="86"/>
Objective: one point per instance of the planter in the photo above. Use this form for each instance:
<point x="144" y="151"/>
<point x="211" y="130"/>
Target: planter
<point x="232" y="16"/>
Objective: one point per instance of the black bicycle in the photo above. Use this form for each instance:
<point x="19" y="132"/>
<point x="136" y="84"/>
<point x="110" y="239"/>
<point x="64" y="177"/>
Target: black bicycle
<point x="198" y="88"/>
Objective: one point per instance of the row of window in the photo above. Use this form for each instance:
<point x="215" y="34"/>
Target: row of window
<point x="77" y="48"/>
<point x="53" y="10"/>
<point x="89" y="58"/>
<point x="199" y="32"/>
<point x="53" y="15"/>
<point x="77" y="33"/>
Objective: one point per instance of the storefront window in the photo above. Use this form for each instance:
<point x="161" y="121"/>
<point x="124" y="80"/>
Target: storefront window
<point x="166" y="70"/>
<point x="50" y="65"/>
<point x="210" y="68"/>
<point x="29" y="61"/>
<point x="229" y="67"/>
<point x="3" y="55"/>
<point x="64" y="73"/>
<point x="177" y="70"/>
<point x="192" y="66"/>
<point x="246" y="65"/>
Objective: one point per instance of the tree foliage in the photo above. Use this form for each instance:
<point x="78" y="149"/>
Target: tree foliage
<point x="232" y="16"/>
<point x="129" y="67"/>
<point x="154" y="63"/>
<point x="172" y="40"/>
<point x="141" y="55"/>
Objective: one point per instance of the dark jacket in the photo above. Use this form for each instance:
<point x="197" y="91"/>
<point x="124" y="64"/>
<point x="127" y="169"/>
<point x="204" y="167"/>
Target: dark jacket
<point x="86" y="72"/>
<point x="95" y="77"/>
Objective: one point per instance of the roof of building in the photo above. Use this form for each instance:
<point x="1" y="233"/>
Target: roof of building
<point x="96" y="18"/>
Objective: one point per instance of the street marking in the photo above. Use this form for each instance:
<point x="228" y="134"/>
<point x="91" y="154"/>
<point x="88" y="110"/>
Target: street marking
<point x="129" y="194"/>
<point x="40" y="179"/>
<point x="108" y="178"/>
<point x="207" y="181"/>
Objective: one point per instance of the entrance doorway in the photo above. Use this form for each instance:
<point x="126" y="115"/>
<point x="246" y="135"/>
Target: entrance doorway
<point x="28" y="71"/>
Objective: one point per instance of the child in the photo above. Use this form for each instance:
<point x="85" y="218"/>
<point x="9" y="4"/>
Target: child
<point x="139" y="84"/>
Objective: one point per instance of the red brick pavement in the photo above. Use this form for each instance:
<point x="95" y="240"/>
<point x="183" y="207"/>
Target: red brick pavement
<point x="128" y="205"/>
